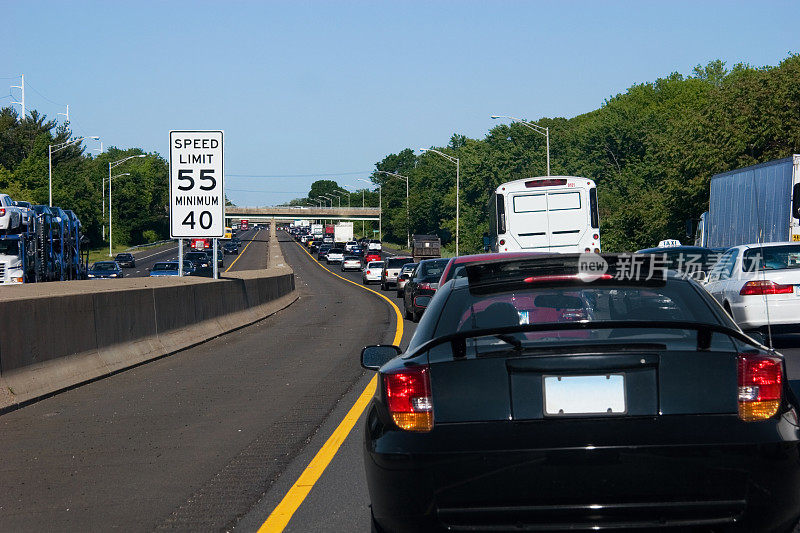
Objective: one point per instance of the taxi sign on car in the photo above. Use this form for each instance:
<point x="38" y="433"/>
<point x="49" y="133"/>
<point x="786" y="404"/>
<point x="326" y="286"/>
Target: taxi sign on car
<point x="669" y="243"/>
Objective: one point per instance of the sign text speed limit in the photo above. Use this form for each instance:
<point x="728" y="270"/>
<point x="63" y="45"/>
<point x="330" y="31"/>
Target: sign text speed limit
<point x="196" y="188"/>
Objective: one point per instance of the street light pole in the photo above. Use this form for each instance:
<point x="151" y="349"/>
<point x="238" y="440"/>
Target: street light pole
<point x="535" y="127"/>
<point x="50" y="152"/>
<point x="345" y="191"/>
<point x="380" y="209"/>
<point x="109" y="208"/>
<point x="458" y="185"/>
<point x="408" y="216"/>
<point x="111" y="165"/>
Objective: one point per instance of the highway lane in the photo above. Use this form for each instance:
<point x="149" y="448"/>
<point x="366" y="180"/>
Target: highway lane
<point x="145" y="259"/>
<point x="192" y="441"/>
<point x="339" y="500"/>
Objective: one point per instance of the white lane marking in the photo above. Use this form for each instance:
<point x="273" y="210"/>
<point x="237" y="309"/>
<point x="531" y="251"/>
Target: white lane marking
<point x="158" y="253"/>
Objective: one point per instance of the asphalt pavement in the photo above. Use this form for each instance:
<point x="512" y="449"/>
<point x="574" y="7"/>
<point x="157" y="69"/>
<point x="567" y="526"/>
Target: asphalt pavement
<point x="339" y="500"/>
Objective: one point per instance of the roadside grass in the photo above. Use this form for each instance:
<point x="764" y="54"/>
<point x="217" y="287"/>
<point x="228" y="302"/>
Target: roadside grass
<point x="101" y="254"/>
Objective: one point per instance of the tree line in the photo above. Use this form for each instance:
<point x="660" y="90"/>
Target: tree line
<point x="139" y="209"/>
<point x="651" y="150"/>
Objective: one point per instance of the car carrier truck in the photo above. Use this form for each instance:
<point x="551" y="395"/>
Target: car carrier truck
<point x="759" y="203"/>
<point x="49" y="248"/>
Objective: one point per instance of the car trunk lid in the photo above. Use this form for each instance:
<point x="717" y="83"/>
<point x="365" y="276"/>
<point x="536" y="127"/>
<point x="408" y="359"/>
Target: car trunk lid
<point x="580" y="382"/>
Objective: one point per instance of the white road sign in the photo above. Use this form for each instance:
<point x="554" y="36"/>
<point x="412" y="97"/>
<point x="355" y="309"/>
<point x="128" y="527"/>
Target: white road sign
<point x="196" y="184"/>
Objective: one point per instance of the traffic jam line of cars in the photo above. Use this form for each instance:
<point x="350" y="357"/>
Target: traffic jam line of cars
<point x="537" y="395"/>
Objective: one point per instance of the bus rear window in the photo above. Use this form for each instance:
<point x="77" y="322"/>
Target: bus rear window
<point x="563" y="200"/>
<point x="530" y="203"/>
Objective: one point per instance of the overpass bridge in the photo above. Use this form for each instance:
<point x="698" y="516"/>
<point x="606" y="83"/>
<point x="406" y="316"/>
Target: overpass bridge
<point x="264" y="214"/>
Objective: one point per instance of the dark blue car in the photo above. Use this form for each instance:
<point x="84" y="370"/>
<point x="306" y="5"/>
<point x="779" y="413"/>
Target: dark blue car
<point x="105" y="269"/>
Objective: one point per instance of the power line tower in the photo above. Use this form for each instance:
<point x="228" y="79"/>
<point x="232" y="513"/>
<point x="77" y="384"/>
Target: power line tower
<point x="21" y="86"/>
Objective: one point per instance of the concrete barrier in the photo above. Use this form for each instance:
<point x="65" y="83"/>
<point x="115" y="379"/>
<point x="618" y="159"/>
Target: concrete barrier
<point x="58" y="335"/>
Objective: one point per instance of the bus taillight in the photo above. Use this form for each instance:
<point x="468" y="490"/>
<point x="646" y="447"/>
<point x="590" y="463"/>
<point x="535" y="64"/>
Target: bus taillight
<point x="545" y="183"/>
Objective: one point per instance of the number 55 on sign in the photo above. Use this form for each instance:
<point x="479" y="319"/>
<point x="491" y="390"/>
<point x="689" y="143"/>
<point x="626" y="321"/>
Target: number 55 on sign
<point x="196" y="184"/>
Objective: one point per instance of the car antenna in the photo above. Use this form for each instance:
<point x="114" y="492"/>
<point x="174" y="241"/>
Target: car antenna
<point x="759" y="259"/>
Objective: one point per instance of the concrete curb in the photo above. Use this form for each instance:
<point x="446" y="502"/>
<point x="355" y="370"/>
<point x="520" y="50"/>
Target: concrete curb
<point x="80" y="334"/>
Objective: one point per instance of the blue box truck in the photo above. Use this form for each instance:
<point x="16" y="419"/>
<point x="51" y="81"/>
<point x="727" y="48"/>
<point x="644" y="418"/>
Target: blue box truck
<point x="759" y="203"/>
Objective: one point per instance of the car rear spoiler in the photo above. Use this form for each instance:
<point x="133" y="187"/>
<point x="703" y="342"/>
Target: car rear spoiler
<point x="502" y="273"/>
<point x="704" y="333"/>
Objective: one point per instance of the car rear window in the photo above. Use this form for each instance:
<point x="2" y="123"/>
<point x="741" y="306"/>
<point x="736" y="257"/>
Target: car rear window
<point x="771" y="258"/>
<point x="668" y="302"/>
<point x="431" y="270"/>
<point x="165" y="266"/>
<point x="375" y="264"/>
<point x="398" y="262"/>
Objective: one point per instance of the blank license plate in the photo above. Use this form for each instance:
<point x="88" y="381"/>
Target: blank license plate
<point x="584" y="395"/>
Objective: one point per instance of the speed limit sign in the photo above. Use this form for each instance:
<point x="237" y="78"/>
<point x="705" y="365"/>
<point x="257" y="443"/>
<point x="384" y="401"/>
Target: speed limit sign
<point x="196" y="184"/>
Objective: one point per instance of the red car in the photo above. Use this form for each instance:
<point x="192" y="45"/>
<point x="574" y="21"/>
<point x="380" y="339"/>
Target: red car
<point x="371" y="256"/>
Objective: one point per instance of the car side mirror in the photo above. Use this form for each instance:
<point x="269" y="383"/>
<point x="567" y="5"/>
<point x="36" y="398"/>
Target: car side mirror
<point x="698" y="275"/>
<point x="374" y="357"/>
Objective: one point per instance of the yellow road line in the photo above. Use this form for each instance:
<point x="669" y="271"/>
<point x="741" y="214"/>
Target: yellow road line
<point x="243" y="251"/>
<point x="284" y="511"/>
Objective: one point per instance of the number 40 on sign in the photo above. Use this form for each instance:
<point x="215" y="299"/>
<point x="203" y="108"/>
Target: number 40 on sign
<point x="196" y="183"/>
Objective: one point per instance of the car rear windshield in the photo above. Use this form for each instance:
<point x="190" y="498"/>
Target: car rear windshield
<point x="164" y="266"/>
<point x="398" y="262"/>
<point x="771" y="258"/>
<point x="336" y="251"/>
<point x="672" y="301"/>
<point x="104" y="266"/>
<point x="431" y="270"/>
<point x="124" y="256"/>
<point x="197" y="255"/>
<point x="375" y="264"/>
<point x="688" y="261"/>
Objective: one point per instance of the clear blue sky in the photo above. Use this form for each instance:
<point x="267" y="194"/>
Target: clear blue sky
<point x="329" y="87"/>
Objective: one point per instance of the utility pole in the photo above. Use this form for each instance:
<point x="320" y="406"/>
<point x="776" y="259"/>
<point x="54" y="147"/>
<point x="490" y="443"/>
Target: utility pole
<point x="66" y="116"/>
<point x="22" y="100"/>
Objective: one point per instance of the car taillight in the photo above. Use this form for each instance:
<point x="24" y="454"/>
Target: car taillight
<point x="764" y="286"/>
<point x="2" y="211"/>
<point x="408" y="396"/>
<point x="595" y="236"/>
<point x="368" y="272"/>
<point x="760" y="387"/>
<point x="502" y="242"/>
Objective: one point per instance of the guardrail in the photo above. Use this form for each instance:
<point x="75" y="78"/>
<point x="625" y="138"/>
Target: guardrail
<point x="148" y="245"/>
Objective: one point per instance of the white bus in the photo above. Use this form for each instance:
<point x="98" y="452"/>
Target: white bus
<point x="546" y="214"/>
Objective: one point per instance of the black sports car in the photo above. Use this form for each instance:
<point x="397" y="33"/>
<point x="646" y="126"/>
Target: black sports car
<point x="538" y="395"/>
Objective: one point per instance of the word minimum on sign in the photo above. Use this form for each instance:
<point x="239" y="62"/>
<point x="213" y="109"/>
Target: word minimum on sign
<point x="196" y="183"/>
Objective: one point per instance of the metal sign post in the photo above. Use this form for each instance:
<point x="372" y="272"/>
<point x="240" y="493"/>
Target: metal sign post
<point x="196" y="187"/>
<point x="180" y="257"/>
<point x="216" y="266"/>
